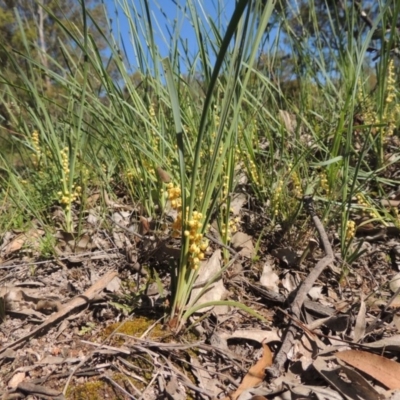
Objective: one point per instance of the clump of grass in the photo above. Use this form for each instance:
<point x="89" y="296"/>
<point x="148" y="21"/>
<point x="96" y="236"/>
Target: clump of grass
<point x="209" y="134"/>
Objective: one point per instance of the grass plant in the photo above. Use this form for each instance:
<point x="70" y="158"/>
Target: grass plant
<point x="232" y="111"/>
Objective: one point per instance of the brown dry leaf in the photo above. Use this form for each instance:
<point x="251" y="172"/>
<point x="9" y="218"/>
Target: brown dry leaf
<point x="114" y="205"/>
<point x="259" y="335"/>
<point x="237" y="203"/>
<point x="144" y="226"/>
<point x="269" y="278"/>
<point x="390" y="344"/>
<point x="92" y="200"/>
<point x="255" y="375"/>
<point x="163" y="175"/>
<point x="29" y="238"/>
<point x="216" y="291"/>
<point x="16" y="379"/>
<point x="289" y="120"/>
<point x="204" y="378"/>
<point x="83" y="244"/>
<point x="395" y="303"/>
<point x="395" y="322"/>
<point x="380" y="368"/>
<point x="394" y="283"/>
<point x="243" y="243"/>
<point x="351" y="384"/>
<point x="26" y="302"/>
<point x="359" y="330"/>
<point x="390" y="203"/>
<point x="65" y="238"/>
<point x="114" y="285"/>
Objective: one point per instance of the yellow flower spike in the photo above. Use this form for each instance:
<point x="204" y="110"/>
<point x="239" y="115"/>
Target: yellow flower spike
<point x="193" y="248"/>
<point x="350" y="229"/>
<point x="200" y="256"/>
<point x="203" y="246"/>
<point x="197" y="252"/>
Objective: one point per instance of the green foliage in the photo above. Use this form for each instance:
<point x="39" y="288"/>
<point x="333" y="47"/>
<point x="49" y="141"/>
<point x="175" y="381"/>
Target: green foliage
<point x="47" y="245"/>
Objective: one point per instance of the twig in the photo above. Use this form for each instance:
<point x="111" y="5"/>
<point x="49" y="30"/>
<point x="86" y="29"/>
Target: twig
<point x="278" y="366"/>
<point x="126" y="229"/>
<point x="119" y="387"/>
<point x="71" y="306"/>
<point x="94" y="255"/>
<point x="91" y="354"/>
<point x="219" y="243"/>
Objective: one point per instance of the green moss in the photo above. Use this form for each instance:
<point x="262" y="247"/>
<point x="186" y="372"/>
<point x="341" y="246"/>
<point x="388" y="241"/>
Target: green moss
<point x="92" y="390"/>
<point x="98" y="389"/>
<point x="137" y="327"/>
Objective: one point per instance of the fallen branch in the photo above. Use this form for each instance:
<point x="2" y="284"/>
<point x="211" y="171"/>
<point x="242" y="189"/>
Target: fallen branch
<point x="67" y="308"/>
<point x="281" y="357"/>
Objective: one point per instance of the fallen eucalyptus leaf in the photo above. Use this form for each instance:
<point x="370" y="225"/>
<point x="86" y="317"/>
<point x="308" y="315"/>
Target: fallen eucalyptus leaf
<point x="355" y="388"/>
<point x="243" y="244"/>
<point x="380" y="368"/>
<point x="216" y="291"/>
<point x="255" y="375"/>
<point x="269" y="278"/>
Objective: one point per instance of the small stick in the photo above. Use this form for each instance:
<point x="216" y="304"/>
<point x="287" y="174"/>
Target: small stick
<point x="66" y="309"/>
<point x="219" y="243"/>
<point x="278" y="366"/>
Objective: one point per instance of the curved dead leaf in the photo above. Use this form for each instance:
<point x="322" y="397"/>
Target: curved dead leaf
<point x="144" y="226"/>
<point x="163" y="175"/>
<point x="243" y="243"/>
<point x="380" y="368"/>
<point x="255" y="375"/>
<point x="351" y="384"/>
<point x="30" y="238"/>
<point x="237" y="203"/>
<point x="289" y="120"/>
<point x="259" y="335"/>
<point x="361" y="323"/>
<point x="216" y="291"/>
<point x="390" y="344"/>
